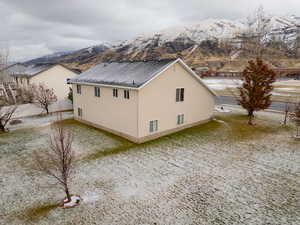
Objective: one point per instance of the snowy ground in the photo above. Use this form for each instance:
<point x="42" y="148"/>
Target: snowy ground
<point x="287" y="88"/>
<point x="26" y="110"/>
<point x="223" y="172"/>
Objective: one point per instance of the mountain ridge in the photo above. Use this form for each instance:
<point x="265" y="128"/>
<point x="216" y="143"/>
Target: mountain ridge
<point x="193" y="42"/>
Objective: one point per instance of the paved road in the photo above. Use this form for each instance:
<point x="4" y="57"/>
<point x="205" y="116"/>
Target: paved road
<point x="231" y="101"/>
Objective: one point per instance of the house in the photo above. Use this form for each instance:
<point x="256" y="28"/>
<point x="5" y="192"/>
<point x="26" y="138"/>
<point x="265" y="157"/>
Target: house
<point x="52" y="75"/>
<point x="10" y="70"/>
<point x="142" y="100"/>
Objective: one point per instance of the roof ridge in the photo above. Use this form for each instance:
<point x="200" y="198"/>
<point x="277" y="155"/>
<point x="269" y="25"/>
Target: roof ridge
<point x="133" y="61"/>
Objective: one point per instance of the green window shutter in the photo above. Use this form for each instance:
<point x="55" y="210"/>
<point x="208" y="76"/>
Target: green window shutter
<point x="178" y="119"/>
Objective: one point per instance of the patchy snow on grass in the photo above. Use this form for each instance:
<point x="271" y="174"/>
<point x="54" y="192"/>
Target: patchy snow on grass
<point x="221" y="172"/>
<point x="222" y="84"/>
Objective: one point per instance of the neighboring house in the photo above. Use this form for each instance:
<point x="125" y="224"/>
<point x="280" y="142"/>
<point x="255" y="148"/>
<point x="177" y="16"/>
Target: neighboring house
<point x="5" y="74"/>
<point x="143" y="100"/>
<point x="52" y="75"/>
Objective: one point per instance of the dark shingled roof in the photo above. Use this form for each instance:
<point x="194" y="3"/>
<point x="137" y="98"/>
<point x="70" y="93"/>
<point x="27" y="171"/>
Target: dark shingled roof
<point x="36" y="69"/>
<point x="127" y="74"/>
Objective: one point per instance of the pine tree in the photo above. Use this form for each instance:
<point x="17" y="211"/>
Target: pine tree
<point x="255" y="93"/>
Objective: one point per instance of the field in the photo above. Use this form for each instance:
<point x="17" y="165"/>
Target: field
<point x="222" y="172"/>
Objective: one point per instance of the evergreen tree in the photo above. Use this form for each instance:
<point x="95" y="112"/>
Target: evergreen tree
<point x="255" y="93"/>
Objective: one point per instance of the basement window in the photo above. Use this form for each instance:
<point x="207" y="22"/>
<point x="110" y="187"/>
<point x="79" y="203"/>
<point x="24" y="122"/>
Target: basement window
<point x="180" y="119"/>
<point x="153" y="126"/>
<point x="179" y="94"/>
<point x="79" y="111"/>
<point x="115" y="92"/>
<point x="126" y="94"/>
<point x="97" y="91"/>
<point x="78" y="87"/>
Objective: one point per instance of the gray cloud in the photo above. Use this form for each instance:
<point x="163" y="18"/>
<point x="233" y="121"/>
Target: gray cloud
<point x="34" y="27"/>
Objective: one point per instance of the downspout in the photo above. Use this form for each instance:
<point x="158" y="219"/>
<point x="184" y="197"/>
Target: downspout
<point x="138" y="113"/>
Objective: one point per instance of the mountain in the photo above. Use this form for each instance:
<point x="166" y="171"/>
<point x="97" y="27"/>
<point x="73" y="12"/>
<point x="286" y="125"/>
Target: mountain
<point x="197" y="43"/>
<point x="48" y="58"/>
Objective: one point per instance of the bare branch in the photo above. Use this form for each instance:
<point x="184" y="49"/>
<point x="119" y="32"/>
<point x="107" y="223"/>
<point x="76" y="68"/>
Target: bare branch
<point x="57" y="162"/>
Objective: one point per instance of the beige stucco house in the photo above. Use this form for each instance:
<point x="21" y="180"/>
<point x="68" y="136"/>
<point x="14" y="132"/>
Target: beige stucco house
<point x="52" y="75"/>
<point x="142" y="100"/>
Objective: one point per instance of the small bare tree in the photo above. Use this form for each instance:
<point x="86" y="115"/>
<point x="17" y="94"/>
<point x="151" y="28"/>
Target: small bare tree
<point x="295" y="117"/>
<point x="25" y="94"/>
<point x="4" y="57"/>
<point x="6" y="113"/>
<point x="254" y="35"/>
<point x="57" y="162"/>
<point x="44" y="96"/>
<point x="288" y="105"/>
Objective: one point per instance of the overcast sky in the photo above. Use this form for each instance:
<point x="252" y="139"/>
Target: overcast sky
<point x="34" y="28"/>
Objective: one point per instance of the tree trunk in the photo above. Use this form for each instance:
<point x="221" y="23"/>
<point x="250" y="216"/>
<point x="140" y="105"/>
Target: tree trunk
<point x="2" y="128"/>
<point x="285" y="117"/>
<point x="47" y="110"/>
<point x="67" y="193"/>
<point x="250" y="117"/>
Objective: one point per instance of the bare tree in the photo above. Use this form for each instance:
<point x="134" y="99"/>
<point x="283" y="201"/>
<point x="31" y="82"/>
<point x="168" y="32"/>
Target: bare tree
<point x="254" y="35"/>
<point x="295" y="117"/>
<point x="6" y="113"/>
<point x="44" y="96"/>
<point x="25" y="94"/>
<point x="4" y="57"/>
<point x="288" y="105"/>
<point x="6" y="109"/>
<point x="57" y="162"/>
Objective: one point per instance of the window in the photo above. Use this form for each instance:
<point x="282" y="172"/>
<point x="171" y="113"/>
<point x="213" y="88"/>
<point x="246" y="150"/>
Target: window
<point x="153" y="126"/>
<point x="115" y="92"/>
<point x="97" y="91"/>
<point x="78" y="89"/>
<point x="80" y="112"/>
<point x="126" y="94"/>
<point x="179" y="94"/>
<point x="180" y="119"/>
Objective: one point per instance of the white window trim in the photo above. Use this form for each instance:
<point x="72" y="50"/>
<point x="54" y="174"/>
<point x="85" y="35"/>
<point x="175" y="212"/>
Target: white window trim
<point x="96" y="92"/>
<point x="115" y="92"/>
<point x="153" y="126"/>
<point x="78" y="89"/>
<point x="180" y="119"/>
<point x="179" y="97"/>
<point x="126" y="94"/>
<point x="79" y="112"/>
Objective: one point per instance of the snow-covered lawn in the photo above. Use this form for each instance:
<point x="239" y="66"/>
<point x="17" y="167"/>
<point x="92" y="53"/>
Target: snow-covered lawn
<point x="222" y="172"/>
<point x="26" y="110"/>
<point x="281" y="88"/>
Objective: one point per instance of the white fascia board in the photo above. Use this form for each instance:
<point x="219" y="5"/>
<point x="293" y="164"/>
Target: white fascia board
<point x="104" y="85"/>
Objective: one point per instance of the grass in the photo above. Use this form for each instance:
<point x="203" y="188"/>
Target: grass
<point x="200" y="130"/>
<point x="221" y="150"/>
<point x="36" y="213"/>
<point x="240" y="130"/>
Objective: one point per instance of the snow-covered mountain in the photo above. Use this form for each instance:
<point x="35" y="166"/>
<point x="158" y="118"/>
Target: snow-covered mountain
<point x="190" y="40"/>
<point x="211" y="29"/>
